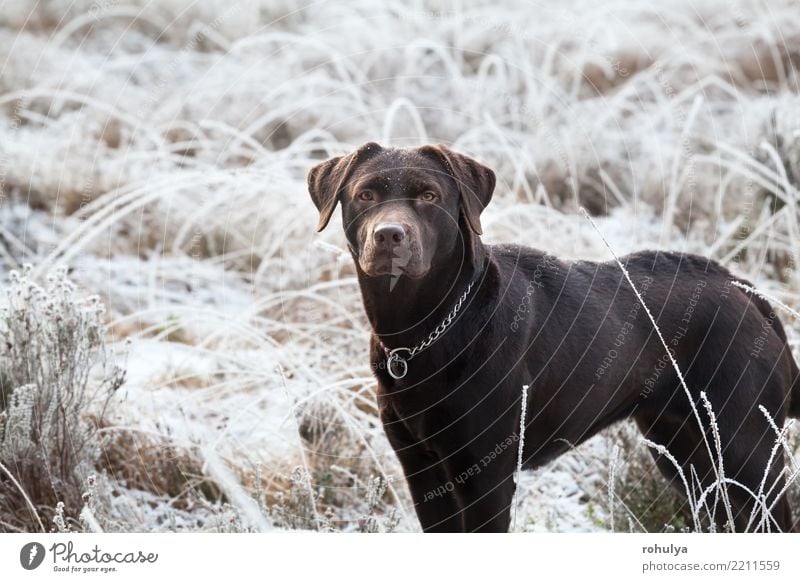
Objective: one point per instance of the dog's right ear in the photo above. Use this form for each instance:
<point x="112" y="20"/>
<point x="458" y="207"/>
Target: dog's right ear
<point x="475" y="182"/>
<point x="326" y="180"/>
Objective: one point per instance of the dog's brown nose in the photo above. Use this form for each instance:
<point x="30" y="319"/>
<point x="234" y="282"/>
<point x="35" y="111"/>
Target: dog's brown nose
<point x="389" y="234"/>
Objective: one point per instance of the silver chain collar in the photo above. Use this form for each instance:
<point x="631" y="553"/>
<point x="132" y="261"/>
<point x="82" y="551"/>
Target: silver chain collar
<point x="396" y="365"/>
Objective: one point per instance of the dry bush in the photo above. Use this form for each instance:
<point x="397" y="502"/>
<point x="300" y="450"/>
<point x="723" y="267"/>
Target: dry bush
<point x="53" y="341"/>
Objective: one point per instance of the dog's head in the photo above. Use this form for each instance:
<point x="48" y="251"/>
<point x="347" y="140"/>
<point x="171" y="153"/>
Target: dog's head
<point x="402" y="208"/>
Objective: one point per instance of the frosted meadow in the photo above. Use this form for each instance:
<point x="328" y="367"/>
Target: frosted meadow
<point x="180" y="351"/>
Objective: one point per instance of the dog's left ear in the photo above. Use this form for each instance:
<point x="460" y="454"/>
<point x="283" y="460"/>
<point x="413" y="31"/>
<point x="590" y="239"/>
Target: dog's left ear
<point x="474" y="180"/>
<point x="326" y="180"/>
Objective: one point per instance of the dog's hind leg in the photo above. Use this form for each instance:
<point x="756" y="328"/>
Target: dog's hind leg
<point x="753" y="458"/>
<point x="746" y="448"/>
<point x="746" y="454"/>
<point x="669" y="431"/>
<point x="675" y="428"/>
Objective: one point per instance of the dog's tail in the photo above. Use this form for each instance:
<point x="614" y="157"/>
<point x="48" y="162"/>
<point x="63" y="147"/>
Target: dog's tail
<point x="794" y="396"/>
<point x="794" y="393"/>
<point x="767" y="311"/>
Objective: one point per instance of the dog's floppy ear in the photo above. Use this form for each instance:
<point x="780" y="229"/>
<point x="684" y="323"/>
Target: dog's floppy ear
<point x="474" y="180"/>
<point x="326" y="180"/>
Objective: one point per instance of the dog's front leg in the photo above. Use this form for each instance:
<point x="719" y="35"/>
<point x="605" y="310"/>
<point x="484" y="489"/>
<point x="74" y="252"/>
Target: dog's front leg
<point x="432" y="492"/>
<point x="434" y="499"/>
<point x="485" y="492"/>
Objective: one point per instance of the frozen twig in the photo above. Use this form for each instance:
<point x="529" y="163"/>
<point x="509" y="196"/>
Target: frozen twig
<point x="520" y="449"/>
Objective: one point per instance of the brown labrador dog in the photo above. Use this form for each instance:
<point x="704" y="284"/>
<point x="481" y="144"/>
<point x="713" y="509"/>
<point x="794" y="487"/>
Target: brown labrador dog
<point x="460" y="327"/>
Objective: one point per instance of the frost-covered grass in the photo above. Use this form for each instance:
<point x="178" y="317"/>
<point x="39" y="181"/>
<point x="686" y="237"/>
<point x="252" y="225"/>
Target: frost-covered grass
<point x="159" y="150"/>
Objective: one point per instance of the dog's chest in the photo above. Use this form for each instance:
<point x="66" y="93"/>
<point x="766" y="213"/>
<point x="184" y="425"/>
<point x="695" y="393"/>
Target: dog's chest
<point x="423" y="408"/>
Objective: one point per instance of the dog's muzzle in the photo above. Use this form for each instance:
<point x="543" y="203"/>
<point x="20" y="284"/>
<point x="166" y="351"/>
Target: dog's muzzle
<point x="391" y="250"/>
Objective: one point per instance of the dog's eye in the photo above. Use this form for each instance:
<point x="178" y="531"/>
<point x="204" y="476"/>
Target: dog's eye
<point x="366" y="195"/>
<point x="428" y="196"/>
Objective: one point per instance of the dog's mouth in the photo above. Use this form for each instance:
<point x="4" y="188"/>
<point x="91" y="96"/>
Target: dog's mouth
<point x="400" y="261"/>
